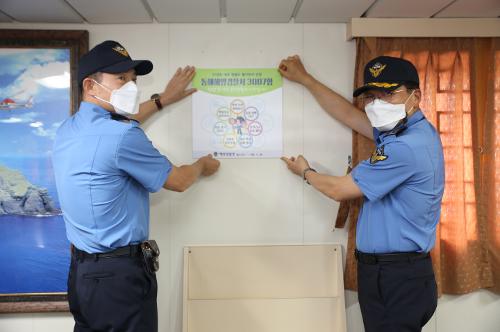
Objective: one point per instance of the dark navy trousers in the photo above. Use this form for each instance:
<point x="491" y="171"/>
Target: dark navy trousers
<point x="113" y="294"/>
<point x="397" y="296"/>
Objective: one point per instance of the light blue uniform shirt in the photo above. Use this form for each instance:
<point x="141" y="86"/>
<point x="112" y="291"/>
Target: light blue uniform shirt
<point x="403" y="184"/>
<point x="105" y="170"/>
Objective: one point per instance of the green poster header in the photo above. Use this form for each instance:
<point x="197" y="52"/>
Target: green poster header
<point x="237" y="82"/>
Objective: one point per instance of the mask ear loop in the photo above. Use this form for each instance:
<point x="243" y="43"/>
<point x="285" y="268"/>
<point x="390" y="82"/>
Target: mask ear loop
<point x="411" y="94"/>
<point x="405" y="119"/>
<point x="105" y="87"/>
<point x="99" y="98"/>
<point x="401" y="125"/>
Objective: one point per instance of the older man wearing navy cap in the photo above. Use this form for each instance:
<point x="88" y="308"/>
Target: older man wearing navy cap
<point x="105" y="168"/>
<point x="402" y="185"/>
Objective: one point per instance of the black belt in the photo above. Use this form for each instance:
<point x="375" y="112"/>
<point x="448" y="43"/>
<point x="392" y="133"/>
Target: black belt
<point x="131" y="250"/>
<point x="388" y="258"/>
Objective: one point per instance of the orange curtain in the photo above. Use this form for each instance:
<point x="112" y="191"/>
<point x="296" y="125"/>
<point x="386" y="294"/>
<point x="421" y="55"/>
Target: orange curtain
<point x="460" y="83"/>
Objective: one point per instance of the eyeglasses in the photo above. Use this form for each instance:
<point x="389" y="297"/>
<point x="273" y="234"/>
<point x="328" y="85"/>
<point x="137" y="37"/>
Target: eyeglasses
<point x="385" y="96"/>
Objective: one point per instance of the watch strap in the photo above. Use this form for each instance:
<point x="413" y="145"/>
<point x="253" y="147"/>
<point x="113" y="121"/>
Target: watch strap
<point x="304" y="174"/>
<point x="156" y="99"/>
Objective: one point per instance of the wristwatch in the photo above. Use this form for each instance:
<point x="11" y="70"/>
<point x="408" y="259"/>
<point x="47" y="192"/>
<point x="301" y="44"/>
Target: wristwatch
<point x="304" y="174"/>
<point x="156" y="99"/>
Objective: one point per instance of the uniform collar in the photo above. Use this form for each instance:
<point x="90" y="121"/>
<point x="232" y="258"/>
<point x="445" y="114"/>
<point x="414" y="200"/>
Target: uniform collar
<point x="416" y="117"/>
<point x="91" y="108"/>
<point x="405" y="124"/>
<point x="96" y="110"/>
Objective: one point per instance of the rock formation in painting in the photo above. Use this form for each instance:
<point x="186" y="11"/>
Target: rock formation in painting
<point x="18" y="196"/>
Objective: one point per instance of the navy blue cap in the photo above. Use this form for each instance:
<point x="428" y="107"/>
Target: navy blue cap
<point x="110" y="57"/>
<point x="387" y="73"/>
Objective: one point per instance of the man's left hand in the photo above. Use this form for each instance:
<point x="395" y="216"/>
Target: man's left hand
<point x="296" y="164"/>
<point x="176" y="88"/>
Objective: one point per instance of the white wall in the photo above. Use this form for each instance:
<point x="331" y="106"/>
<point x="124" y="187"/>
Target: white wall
<point x="249" y="201"/>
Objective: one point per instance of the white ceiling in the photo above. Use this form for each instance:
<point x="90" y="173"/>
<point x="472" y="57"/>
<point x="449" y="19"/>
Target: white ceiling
<point x="179" y="11"/>
<point x="398" y="8"/>
<point x="476" y="8"/>
<point x="258" y="11"/>
<point x="4" y="18"/>
<point x="56" y="11"/>
<point x="110" y="11"/>
<point x="330" y="10"/>
<point x="250" y="11"/>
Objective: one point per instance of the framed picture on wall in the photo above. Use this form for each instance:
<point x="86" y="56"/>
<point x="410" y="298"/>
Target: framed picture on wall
<point x="38" y="91"/>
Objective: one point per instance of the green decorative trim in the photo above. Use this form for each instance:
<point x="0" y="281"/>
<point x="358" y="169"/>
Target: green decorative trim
<point x="237" y="82"/>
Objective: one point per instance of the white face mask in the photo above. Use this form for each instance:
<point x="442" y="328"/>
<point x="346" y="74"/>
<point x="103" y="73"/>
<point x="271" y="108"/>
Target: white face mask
<point x="124" y="100"/>
<point x="385" y="116"/>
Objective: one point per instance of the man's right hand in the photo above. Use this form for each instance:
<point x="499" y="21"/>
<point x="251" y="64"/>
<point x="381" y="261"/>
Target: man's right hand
<point x="181" y="178"/>
<point x="210" y="165"/>
<point x="293" y="69"/>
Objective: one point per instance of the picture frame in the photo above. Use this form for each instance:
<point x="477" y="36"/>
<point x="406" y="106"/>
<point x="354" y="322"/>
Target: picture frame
<point x="27" y="118"/>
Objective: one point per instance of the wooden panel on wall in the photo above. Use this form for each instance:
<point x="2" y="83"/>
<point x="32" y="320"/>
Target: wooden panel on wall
<point x="263" y="288"/>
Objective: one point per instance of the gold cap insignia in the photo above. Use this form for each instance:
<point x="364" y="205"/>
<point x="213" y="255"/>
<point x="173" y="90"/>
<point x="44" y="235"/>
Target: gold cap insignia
<point x="383" y="85"/>
<point x="376" y="69"/>
<point x="378" y="155"/>
<point x="121" y="50"/>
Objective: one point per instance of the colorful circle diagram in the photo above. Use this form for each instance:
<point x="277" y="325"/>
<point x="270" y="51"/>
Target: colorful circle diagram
<point x="237" y="125"/>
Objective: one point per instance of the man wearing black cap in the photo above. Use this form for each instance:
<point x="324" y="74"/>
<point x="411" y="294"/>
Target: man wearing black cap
<point x="402" y="185"/>
<point x="105" y="168"/>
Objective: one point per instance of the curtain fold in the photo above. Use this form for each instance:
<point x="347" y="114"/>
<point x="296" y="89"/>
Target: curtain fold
<point x="460" y="83"/>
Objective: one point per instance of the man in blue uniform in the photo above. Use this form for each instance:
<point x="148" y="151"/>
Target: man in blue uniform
<point x="402" y="185"/>
<point x="105" y="168"/>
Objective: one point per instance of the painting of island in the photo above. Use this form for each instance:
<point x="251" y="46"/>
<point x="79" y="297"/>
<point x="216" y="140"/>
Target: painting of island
<point x="34" y="100"/>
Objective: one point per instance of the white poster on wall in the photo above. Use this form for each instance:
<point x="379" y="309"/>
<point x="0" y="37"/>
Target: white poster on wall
<point x="238" y="113"/>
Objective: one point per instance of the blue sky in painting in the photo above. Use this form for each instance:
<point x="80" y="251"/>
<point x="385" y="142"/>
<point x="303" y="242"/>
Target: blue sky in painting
<point x="43" y="76"/>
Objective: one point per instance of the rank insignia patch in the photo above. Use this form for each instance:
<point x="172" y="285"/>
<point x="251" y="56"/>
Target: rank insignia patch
<point x="378" y="155"/>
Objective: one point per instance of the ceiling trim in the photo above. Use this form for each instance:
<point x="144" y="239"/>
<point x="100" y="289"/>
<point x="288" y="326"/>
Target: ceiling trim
<point x="423" y="27"/>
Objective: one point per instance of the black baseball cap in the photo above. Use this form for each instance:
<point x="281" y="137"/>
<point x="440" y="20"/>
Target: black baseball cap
<point x="110" y="57"/>
<point x="387" y="73"/>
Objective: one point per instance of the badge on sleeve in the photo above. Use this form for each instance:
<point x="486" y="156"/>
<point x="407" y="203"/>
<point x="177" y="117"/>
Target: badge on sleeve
<point x="378" y="155"/>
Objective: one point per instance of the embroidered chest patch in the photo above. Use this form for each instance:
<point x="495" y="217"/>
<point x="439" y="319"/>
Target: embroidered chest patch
<point x="378" y="155"/>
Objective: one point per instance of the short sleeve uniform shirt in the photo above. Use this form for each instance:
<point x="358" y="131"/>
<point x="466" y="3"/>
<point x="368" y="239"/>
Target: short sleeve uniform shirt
<point x="105" y="170"/>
